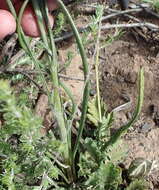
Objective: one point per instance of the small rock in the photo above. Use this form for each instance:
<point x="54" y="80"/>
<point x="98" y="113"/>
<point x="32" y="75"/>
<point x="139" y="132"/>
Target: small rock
<point x="145" y="128"/>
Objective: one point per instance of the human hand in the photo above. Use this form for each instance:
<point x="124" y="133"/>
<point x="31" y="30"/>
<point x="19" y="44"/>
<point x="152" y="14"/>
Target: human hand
<point x="28" y="22"/>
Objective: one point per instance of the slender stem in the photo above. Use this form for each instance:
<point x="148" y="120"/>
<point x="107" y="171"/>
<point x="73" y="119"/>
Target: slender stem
<point x="55" y="96"/>
<point x="85" y="67"/>
<point x="86" y="88"/>
<point x="40" y="20"/>
<point x="78" y="38"/>
<point x="10" y="5"/>
<point x="25" y="46"/>
<point x="97" y="68"/>
<point x="124" y="128"/>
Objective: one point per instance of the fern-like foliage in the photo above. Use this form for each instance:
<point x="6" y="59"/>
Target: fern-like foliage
<point x="108" y="176"/>
<point x="26" y="158"/>
<point x="100" y="167"/>
<point x="117" y="150"/>
<point x="60" y="21"/>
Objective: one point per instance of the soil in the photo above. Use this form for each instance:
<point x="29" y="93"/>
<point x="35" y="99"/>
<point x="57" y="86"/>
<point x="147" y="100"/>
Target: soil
<point x="119" y="78"/>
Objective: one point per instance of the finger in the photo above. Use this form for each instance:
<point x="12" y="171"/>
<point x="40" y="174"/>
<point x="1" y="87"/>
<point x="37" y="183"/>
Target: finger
<point x="7" y="23"/>
<point x="29" y="21"/>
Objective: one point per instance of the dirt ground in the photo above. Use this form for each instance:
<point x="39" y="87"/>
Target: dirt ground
<point x="119" y="79"/>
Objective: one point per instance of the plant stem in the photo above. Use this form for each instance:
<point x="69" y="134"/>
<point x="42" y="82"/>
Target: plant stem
<point x="55" y="98"/>
<point x="124" y="128"/>
<point x="97" y="68"/>
<point x="24" y="43"/>
<point x="78" y="39"/>
<point x="11" y="8"/>
<point x="86" y="77"/>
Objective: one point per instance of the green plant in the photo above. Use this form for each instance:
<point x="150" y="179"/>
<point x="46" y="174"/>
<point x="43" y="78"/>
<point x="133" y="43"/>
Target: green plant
<point x="103" y="150"/>
<point x="20" y="144"/>
<point x="154" y="3"/>
<point x="29" y="160"/>
<point x="60" y="21"/>
<point x="138" y="185"/>
<point x="99" y="162"/>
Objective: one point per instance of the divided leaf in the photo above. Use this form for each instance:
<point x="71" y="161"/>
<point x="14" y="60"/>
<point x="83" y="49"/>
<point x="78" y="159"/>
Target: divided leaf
<point x="93" y="113"/>
<point x="108" y="177"/>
